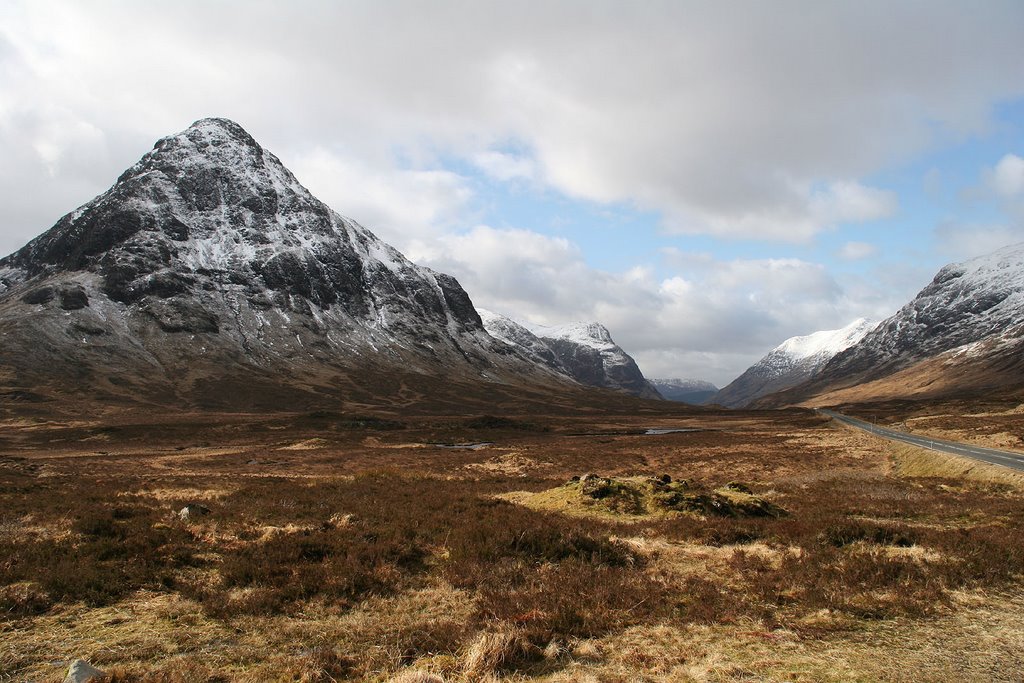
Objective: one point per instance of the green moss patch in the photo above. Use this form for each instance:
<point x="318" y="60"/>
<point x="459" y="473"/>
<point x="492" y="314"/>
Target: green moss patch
<point x="638" y="498"/>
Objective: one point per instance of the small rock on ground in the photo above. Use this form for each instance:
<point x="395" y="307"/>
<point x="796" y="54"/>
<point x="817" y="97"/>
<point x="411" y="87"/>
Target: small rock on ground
<point x="82" y="671"/>
<point x="192" y="511"/>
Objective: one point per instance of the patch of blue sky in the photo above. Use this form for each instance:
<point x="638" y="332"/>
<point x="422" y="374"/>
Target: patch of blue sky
<point x="612" y="237"/>
<point x="940" y="186"/>
<point x="944" y="185"/>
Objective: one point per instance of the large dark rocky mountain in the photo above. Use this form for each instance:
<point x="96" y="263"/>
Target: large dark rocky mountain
<point x="208" y="275"/>
<point x="962" y="333"/>
<point x="790" y="363"/>
<point x="584" y="352"/>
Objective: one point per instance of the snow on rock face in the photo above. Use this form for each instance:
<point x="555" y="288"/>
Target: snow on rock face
<point x="519" y="337"/>
<point x="208" y="246"/>
<point x="790" y="363"/>
<point x="827" y="342"/>
<point x="584" y="352"/>
<point x="981" y="299"/>
<point x="687" y="384"/>
<point x="815" y="349"/>
<point x="211" y="209"/>
<point x="693" y="391"/>
<point x="593" y="335"/>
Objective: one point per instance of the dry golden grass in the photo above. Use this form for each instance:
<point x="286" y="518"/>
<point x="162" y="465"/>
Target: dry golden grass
<point x="567" y="500"/>
<point x="513" y="463"/>
<point x="157" y="632"/>
<point x="637" y="499"/>
<point x="978" y="641"/>
<point x="416" y="676"/>
<point x="497" y="651"/>
<point x="881" y="572"/>
<point x="909" y="461"/>
<point x="307" y="445"/>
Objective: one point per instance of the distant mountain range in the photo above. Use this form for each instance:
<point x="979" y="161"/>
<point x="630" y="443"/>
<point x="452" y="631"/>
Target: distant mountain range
<point x="962" y="334"/>
<point x="585" y="352"/>
<point x="692" y="391"/>
<point x="790" y="363"/>
<point x="208" y="276"/>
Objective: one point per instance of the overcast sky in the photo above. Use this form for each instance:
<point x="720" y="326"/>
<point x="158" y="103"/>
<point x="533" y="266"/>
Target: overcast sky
<point x="705" y="178"/>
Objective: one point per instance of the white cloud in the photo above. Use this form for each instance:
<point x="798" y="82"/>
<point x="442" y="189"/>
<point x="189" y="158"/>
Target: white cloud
<point x="959" y="241"/>
<point x="724" y="118"/>
<point x="538" y="277"/>
<point x="710" y="320"/>
<point x="857" y="251"/>
<point x="504" y="166"/>
<point x="740" y="120"/>
<point x="1007" y="178"/>
<point x="850" y="201"/>
<point x="799" y="214"/>
<point x="400" y="206"/>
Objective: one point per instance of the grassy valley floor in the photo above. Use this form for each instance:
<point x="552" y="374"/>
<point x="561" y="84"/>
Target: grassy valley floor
<point x="326" y="547"/>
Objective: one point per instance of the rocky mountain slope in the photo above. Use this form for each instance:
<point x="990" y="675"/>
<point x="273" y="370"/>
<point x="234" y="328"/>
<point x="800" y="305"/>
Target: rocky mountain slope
<point x="790" y="363"/>
<point x="584" y="352"/>
<point x="208" y="275"/>
<point x="692" y="391"/>
<point x="964" y="332"/>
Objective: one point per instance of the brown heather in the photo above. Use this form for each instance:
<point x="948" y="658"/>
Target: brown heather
<point x="365" y="555"/>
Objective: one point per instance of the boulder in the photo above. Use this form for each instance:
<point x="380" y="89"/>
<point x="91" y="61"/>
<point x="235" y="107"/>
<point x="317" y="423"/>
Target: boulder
<point x="660" y="482"/>
<point x="192" y="511"/>
<point x="42" y="295"/>
<point x="596" y="487"/>
<point x="73" y="297"/>
<point x="82" y="671"/>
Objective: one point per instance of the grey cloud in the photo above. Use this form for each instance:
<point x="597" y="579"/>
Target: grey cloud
<point x="723" y="116"/>
<point x="959" y="241"/>
<point x="743" y="119"/>
<point x="710" y="321"/>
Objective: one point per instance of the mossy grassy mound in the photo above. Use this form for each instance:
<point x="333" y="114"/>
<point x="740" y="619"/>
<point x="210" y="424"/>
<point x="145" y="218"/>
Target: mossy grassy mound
<point x="644" y="497"/>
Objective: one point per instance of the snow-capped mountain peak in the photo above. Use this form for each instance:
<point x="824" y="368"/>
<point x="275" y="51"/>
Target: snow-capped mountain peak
<point x="971" y="314"/>
<point x="209" y="210"/>
<point x="791" y="362"/>
<point x="584" y="352"/>
<point x="826" y="342"/>
<point x="693" y="391"/>
<point x="686" y="384"/>
<point x="209" y="254"/>
<point x="592" y="334"/>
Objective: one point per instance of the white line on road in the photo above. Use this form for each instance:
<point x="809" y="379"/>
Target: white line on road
<point x="988" y="455"/>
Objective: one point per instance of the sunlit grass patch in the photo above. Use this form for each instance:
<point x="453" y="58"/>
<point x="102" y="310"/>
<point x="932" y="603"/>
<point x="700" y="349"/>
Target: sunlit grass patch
<point x="636" y="499"/>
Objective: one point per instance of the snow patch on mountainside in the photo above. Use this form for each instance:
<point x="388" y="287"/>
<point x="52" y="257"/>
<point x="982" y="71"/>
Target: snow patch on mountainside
<point x="692" y="391"/>
<point x="978" y="300"/>
<point x="685" y="384"/>
<point x="594" y="335"/>
<point x="791" y="362"/>
<point x="584" y="352"/>
<point x="518" y="337"/>
<point x="968" y="321"/>
<point x="207" y="257"/>
<point x="821" y="345"/>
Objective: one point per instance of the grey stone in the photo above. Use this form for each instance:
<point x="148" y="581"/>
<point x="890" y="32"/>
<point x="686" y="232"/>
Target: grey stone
<point x="193" y="511"/>
<point x="82" y="671"/>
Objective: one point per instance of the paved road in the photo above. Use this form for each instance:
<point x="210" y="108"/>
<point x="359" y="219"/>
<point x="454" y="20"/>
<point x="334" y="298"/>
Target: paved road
<point x="990" y="455"/>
